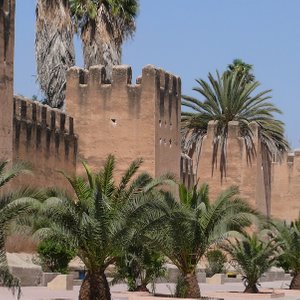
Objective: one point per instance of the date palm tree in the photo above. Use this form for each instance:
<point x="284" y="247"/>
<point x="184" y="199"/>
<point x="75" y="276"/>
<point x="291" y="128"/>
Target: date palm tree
<point x="104" y="25"/>
<point x="184" y="230"/>
<point x="227" y="98"/>
<point x="89" y="220"/>
<point x="252" y="255"/>
<point x="12" y="206"/>
<point x="54" y="48"/>
<point x="289" y="236"/>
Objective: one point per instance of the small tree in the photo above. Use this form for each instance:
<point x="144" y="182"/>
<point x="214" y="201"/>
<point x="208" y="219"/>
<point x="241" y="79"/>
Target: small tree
<point x="55" y="256"/>
<point x="139" y="266"/>
<point x="252" y="255"/>
<point x="289" y="237"/>
<point x="216" y="262"/>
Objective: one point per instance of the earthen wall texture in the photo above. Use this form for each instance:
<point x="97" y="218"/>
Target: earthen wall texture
<point x="45" y="138"/>
<point x="286" y="187"/>
<point x="242" y="170"/>
<point x="127" y="120"/>
<point x="7" y="13"/>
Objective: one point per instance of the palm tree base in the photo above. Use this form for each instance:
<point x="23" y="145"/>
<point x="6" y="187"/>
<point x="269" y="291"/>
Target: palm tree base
<point x="251" y="289"/>
<point x="141" y="288"/>
<point x="192" y="286"/>
<point x="94" y="287"/>
<point x="295" y="284"/>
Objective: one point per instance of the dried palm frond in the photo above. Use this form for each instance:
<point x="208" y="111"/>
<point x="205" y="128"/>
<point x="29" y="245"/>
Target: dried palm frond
<point x="54" y="48"/>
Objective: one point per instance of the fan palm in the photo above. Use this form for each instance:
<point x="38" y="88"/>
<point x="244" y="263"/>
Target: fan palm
<point x="289" y="236"/>
<point x="242" y="69"/>
<point x="104" y="25"/>
<point x="89" y="220"/>
<point x="184" y="230"/>
<point x="12" y="206"/>
<point x="54" y="48"/>
<point x="227" y="98"/>
<point x="252" y="255"/>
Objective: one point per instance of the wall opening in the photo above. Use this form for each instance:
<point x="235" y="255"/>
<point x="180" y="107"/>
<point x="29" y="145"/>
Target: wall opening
<point x="113" y="122"/>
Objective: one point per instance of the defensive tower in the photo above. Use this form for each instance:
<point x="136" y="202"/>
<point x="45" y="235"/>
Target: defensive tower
<point x="128" y="120"/>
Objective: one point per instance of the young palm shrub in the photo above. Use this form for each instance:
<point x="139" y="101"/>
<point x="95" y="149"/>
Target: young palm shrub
<point x="252" y="255"/>
<point x="216" y="262"/>
<point x="184" y="230"/>
<point x="139" y="266"/>
<point x="289" y="236"/>
<point x="12" y="206"/>
<point x="89" y="220"/>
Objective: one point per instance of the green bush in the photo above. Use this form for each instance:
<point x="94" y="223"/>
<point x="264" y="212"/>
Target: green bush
<point x="54" y="256"/>
<point x="216" y="261"/>
<point x="139" y="266"/>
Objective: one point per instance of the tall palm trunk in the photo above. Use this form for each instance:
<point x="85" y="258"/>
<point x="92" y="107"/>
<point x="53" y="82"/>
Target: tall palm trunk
<point x="295" y="284"/>
<point x="191" y="285"/>
<point x="100" y="47"/>
<point x="54" y="48"/>
<point x="94" y="287"/>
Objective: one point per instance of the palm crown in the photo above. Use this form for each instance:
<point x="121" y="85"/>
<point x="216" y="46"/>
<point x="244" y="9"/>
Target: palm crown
<point x="89" y="221"/>
<point x="12" y="206"/>
<point x="252" y="255"/>
<point x="227" y="98"/>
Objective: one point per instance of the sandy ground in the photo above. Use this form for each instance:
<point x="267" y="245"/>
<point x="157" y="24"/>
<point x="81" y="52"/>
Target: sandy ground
<point x="228" y="291"/>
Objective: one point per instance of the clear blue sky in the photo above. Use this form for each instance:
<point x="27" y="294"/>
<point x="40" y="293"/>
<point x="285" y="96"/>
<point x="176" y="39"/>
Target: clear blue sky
<point x="193" y="37"/>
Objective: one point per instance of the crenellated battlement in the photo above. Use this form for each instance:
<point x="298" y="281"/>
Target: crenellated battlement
<point x="35" y="112"/>
<point x="45" y="137"/>
<point x="121" y="76"/>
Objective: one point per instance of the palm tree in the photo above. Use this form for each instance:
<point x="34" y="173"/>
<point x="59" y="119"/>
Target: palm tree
<point x="227" y="98"/>
<point x="252" y="255"/>
<point x="184" y="230"/>
<point x="12" y="206"/>
<point x="88" y="222"/>
<point x="54" y="48"/>
<point x="289" y="236"/>
<point x="104" y="25"/>
<point x="242" y="69"/>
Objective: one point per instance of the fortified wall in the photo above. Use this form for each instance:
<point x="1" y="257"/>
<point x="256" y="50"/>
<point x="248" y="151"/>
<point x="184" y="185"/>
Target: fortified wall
<point x="44" y="137"/>
<point x="130" y="121"/>
<point x="125" y="119"/>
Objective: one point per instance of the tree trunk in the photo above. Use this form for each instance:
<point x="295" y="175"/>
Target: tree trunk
<point x="94" y="287"/>
<point x="192" y="286"/>
<point x="295" y="284"/>
<point x="251" y="288"/>
<point x="99" y="44"/>
<point x="142" y="288"/>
